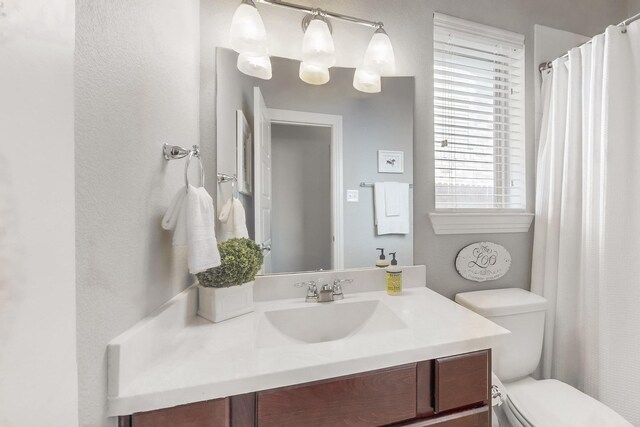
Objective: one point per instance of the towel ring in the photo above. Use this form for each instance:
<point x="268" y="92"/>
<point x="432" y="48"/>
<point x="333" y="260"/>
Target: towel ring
<point x="172" y="152"/>
<point x="194" y="152"/>
<point x="223" y="178"/>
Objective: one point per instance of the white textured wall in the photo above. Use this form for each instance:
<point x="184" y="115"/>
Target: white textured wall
<point x="409" y="24"/>
<point x="137" y="85"/>
<point x="38" y="375"/>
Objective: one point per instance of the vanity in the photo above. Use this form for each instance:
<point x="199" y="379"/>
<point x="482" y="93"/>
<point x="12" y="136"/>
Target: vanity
<point x="302" y="160"/>
<point x="369" y="359"/>
<point x="448" y="391"/>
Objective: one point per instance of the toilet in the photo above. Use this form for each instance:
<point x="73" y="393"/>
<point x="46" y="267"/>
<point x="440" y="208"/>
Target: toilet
<point x="525" y="400"/>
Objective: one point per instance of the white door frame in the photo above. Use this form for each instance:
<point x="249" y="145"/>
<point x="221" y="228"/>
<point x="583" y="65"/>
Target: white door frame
<point x="301" y="118"/>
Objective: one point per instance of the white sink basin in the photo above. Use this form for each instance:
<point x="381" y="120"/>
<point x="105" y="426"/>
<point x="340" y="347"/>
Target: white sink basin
<point x="322" y="322"/>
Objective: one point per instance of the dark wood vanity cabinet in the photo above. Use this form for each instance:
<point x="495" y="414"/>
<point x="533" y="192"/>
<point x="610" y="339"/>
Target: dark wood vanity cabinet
<point x="447" y="392"/>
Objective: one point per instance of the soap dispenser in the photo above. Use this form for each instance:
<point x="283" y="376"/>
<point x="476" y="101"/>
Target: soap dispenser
<point x="394" y="277"/>
<point x="382" y="261"/>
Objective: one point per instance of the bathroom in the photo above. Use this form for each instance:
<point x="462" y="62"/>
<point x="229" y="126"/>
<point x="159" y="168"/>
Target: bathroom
<point x="98" y="321"/>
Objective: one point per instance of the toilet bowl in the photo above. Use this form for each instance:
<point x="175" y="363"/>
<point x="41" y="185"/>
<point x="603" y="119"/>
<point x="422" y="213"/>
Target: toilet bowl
<point x="525" y="401"/>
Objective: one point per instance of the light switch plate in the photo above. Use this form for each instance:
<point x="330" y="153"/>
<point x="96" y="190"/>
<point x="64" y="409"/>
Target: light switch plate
<point x="353" y="195"/>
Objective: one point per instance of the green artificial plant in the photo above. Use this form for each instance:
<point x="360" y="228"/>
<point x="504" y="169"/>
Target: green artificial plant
<point x="241" y="260"/>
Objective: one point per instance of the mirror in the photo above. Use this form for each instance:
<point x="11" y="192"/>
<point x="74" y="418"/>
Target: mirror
<point x="300" y="153"/>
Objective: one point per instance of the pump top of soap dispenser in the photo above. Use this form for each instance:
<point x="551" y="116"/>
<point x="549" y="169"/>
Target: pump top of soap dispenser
<point x="382" y="261"/>
<point x="393" y="260"/>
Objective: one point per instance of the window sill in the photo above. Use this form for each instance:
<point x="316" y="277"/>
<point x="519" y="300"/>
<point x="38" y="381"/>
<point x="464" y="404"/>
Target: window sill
<point x="476" y="223"/>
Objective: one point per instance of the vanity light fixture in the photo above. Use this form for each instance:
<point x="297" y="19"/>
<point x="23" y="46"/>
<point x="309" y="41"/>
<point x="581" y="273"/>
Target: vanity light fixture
<point x="318" y="51"/>
<point x="379" y="56"/>
<point x="248" y="37"/>
<point x="256" y="66"/>
<point x="313" y="74"/>
<point x="367" y="81"/>
<point x="379" y="60"/>
<point x="317" y="43"/>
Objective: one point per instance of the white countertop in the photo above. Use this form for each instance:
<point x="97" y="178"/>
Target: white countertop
<point x="199" y="360"/>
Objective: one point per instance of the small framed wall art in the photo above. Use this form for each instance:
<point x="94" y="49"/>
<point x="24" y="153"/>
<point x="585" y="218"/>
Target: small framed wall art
<point x="244" y="154"/>
<point x="390" y="161"/>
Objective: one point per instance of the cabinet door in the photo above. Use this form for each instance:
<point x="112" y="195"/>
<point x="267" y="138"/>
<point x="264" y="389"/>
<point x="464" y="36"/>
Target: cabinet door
<point x="212" y="413"/>
<point x="367" y="399"/>
<point x="462" y="381"/>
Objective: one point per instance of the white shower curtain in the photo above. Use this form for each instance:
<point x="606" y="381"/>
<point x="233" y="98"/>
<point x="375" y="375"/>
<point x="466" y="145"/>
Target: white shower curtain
<point x="586" y="255"/>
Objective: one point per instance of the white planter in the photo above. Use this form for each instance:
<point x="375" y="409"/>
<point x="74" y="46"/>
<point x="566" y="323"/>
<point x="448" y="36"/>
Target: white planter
<point x="218" y="304"/>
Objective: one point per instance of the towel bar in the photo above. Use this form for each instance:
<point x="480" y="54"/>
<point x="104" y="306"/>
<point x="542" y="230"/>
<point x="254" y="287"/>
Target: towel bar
<point x="370" y="184"/>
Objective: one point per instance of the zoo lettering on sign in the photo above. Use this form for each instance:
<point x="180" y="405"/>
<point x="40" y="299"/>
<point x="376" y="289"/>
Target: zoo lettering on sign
<point x="483" y="261"/>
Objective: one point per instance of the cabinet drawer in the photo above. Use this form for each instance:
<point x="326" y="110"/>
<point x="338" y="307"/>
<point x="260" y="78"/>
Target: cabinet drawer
<point x="462" y="380"/>
<point x="373" y="398"/>
<point x="477" y="417"/>
<point x="212" y="413"/>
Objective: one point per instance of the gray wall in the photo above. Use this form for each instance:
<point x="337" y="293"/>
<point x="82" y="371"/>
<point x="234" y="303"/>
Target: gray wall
<point x="301" y="191"/>
<point x="634" y="7"/>
<point x="137" y="74"/>
<point x="409" y="24"/>
<point x="371" y="122"/>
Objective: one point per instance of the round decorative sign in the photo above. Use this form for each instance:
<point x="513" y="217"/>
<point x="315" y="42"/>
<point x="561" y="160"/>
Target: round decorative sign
<point x="483" y="261"/>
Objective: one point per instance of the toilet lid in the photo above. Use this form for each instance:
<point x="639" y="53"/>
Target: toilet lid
<point x="554" y="403"/>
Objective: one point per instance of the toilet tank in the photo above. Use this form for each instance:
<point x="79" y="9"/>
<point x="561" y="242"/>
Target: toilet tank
<point x="515" y="355"/>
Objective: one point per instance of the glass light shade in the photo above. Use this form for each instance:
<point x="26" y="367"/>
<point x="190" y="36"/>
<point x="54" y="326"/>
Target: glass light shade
<point x="367" y="81"/>
<point x="317" y="45"/>
<point x="247" y="33"/>
<point x="256" y="66"/>
<point x="379" y="56"/>
<point x="313" y="74"/>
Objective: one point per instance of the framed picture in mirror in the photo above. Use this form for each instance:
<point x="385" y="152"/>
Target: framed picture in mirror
<point x="244" y="154"/>
<point x="390" y="161"/>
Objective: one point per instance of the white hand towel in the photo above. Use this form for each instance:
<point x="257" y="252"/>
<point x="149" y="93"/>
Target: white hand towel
<point x="175" y="218"/>
<point x="392" y="198"/>
<point x="202" y="247"/>
<point x="233" y="219"/>
<point x="391" y="224"/>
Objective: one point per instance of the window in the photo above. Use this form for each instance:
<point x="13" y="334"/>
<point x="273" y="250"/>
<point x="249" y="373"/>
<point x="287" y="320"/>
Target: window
<point x="478" y="116"/>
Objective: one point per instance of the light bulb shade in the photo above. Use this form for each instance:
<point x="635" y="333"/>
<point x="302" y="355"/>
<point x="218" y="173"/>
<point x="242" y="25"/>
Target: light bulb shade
<point x="313" y="74"/>
<point x="317" y="45"/>
<point x="379" y="56"/>
<point x="256" y="66"/>
<point x="247" y="33"/>
<point x="367" y="81"/>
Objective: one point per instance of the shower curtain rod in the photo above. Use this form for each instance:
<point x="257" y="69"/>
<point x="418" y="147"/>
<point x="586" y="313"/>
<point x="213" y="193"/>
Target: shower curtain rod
<point x="546" y="65"/>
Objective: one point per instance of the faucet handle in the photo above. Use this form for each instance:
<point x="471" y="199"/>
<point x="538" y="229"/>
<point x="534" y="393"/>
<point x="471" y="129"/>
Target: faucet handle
<point x="312" y="290"/>
<point x="337" y="288"/>
<point x="301" y="284"/>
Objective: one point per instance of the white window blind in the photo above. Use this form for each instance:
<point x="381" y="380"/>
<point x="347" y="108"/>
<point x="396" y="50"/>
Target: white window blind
<point x="478" y="78"/>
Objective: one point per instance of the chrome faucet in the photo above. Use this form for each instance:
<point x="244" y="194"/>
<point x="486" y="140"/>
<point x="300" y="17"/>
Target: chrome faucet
<point x="337" y="288"/>
<point x="312" y="290"/>
<point x="327" y="293"/>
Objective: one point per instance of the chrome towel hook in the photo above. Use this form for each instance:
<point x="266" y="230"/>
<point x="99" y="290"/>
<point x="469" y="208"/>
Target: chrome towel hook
<point x="173" y="152"/>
